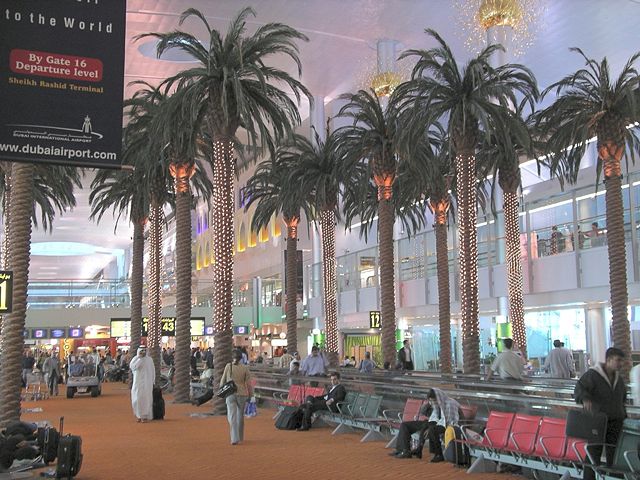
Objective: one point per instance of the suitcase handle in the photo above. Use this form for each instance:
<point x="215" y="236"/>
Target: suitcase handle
<point x="61" y="425"/>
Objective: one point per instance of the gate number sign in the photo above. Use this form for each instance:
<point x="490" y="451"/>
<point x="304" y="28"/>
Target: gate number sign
<point x="6" y="291"/>
<point x="374" y="319"/>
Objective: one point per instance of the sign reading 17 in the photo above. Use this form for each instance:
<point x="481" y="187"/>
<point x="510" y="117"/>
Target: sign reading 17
<point x="6" y="291"/>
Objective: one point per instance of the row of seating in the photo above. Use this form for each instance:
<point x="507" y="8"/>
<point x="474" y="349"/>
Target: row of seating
<point x="358" y="411"/>
<point x="541" y="444"/>
<point x="294" y="397"/>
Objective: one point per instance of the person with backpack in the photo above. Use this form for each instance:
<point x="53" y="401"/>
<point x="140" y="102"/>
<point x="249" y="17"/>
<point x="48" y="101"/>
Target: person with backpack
<point x="442" y="412"/>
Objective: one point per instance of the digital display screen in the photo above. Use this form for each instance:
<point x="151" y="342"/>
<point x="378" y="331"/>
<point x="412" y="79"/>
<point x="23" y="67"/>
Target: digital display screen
<point x="120" y="328"/>
<point x="241" y="330"/>
<point x="197" y="327"/>
<point x="76" y="332"/>
<point x="57" y="333"/>
<point x="208" y="330"/>
<point x="39" y="333"/>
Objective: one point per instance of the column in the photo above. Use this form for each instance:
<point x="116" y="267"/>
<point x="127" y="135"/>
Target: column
<point x="597" y="334"/>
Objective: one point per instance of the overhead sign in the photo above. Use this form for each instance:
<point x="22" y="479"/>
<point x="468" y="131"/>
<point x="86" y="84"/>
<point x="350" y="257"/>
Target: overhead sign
<point x="76" y="332"/>
<point x="6" y="291"/>
<point x="375" y="319"/>
<point x="121" y="327"/>
<point x="39" y="333"/>
<point x="57" y="333"/>
<point x="208" y="330"/>
<point x="61" y="81"/>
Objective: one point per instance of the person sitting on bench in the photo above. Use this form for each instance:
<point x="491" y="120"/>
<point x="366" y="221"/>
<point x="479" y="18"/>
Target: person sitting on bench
<point x="442" y="411"/>
<point x="329" y="401"/>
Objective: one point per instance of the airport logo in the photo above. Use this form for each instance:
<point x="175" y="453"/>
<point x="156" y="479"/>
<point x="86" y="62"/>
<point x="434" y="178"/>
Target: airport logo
<point x="83" y="135"/>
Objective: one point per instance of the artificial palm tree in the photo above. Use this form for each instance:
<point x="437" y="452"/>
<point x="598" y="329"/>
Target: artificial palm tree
<point x="143" y="110"/>
<point x="590" y="103"/>
<point x="126" y="193"/>
<point x="501" y="162"/>
<point x="275" y="189"/>
<point x="233" y="86"/>
<point x="33" y="187"/>
<point x="473" y="99"/>
<point x="320" y="174"/>
<point x="373" y="140"/>
<point x="183" y="159"/>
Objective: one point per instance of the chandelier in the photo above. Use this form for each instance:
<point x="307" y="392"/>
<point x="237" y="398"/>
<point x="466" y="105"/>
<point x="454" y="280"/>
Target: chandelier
<point x="475" y="17"/>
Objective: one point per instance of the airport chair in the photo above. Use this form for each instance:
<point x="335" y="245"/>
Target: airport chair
<point x="524" y="431"/>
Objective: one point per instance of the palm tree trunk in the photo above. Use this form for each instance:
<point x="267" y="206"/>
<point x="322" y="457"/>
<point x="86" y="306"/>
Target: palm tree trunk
<point x="4" y="258"/>
<point x="441" y="209"/>
<point x="514" y="269"/>
<point x="610" y="155"/>
<point x="468" y="252"/>
<point x="291" y="287"/>
<point x="222" y="228"/>
<point x="20" y="246"/>
<point x="154" y="326"/>
<point x="387" y="274"/>
<point x="137" y="280"/>
<point x="182" y="174"/>
<point x="329" y="283"/>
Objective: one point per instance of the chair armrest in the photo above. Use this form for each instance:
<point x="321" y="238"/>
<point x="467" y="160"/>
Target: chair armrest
<point x="627" y="457"/>
<point x="492" y="430"/>
<point x="339" y="406"/>
<point x="544" y="448"/>
<point x="387" y="413"/>
<point x="518" y="434"/>
<point x="588" y="446"/>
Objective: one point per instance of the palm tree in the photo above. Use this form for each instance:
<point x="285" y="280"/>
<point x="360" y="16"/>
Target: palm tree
<point x="275" y="189"/>
<point x="474" y="99"/>
<point x="320" y="174"/>
<point x="183" y="160"/>
<point x="126" y="193"/>
<point x="589" y="103"/>
<point x="374" y="140"/>
<point x="231" y="87"/>
<point x="33" y="187"/>
<point x="500" y="162"/>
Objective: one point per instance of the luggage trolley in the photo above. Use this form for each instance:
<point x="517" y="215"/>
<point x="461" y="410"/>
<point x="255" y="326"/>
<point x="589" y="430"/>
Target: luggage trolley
<point x="36" y="387"/>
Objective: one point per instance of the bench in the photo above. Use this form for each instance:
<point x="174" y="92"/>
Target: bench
<point x="295" y="396"/>
<point x="394" y="418"/>
<point x="358" y="411"/>
<point x="540" y="444"/>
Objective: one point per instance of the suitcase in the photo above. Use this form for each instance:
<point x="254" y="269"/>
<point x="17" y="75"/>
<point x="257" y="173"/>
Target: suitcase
<point x="69" y="454"/>
<point x="289" y="419"/>
<point x="588" y="426"/>
<point x="208" y="395"/>
<point x="158" y="404"/>
<point x="48" y="440"/>
<point x="455" y="451"/>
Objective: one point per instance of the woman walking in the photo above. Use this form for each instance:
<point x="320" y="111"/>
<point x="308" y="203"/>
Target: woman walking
<point x="237" y="372"/>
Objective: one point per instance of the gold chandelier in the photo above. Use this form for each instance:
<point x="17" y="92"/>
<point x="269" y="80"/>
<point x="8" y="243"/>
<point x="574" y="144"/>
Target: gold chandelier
<point x="475" y="17"/>
<point x="383" y="84"/>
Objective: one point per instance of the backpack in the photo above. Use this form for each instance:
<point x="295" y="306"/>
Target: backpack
<point x="455" y="451"/>
<point x="289" y="419"/>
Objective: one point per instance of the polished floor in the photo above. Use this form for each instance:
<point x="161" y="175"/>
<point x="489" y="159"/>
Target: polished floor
<point x="182" y="447"/>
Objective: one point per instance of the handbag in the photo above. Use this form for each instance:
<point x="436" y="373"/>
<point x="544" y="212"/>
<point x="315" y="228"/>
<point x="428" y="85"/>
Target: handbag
<point x="228" y="388"/>
<point x="586" y="425"/>
<point x="251" y="409"/>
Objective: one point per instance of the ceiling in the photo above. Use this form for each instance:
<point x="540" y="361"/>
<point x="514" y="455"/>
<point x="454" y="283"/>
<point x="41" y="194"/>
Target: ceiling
<point x="341" y="50"/>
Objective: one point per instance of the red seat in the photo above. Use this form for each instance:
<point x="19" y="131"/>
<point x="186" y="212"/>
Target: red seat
<point x="294" y="396"/>
<point x="468" y="413"/>
<point x="552" y="441"/>
<point x="576" y="450"/>
<point x="524" y="431"/>
<point x="496" y="433"/>
<point x="411" y="410"/>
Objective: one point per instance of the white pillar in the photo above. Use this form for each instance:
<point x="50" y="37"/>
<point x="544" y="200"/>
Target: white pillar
<point x="596" y="327"/>
<point x="503" y="35"/>
<point x="386" y="55"/>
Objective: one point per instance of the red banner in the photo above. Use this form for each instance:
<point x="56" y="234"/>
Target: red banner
<point x="43" y="64"/>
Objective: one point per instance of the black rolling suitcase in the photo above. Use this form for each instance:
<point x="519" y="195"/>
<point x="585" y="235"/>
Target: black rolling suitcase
<point x="69" y="454"/>
<point x="289" y="419"/>
<point x="158" y="404"/>
<point x="48" y="440"/>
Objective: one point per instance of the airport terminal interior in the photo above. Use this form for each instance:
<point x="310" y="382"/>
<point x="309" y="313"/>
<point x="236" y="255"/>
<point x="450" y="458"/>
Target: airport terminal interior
<point x="367" y="187"/>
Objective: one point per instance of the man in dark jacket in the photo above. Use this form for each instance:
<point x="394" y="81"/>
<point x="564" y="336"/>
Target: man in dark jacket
<point x="329" y="401"/>
<point x="601" y="389"/>
<point x="405" y="356"/>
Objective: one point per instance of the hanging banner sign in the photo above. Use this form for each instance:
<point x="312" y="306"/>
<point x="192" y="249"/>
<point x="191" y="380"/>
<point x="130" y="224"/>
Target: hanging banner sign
<point x="61" y="81"/>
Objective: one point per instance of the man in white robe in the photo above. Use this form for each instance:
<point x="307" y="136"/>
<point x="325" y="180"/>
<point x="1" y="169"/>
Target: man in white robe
<point x="144" y="376"/>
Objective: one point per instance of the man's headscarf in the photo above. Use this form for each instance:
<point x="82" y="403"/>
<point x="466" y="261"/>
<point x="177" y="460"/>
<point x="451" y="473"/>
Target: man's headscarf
<point x="141" y="349"/>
